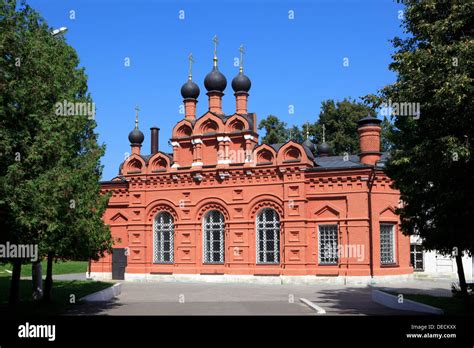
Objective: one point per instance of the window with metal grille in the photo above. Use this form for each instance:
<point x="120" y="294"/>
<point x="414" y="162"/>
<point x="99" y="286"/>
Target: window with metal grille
<point x="416" y="257"/>
<point x="268" y="236"/>
<point x="328" y="242"/>
<point x="163" y="235"/>
<point x="387" y="244"/>
<point x="213" y="234"/>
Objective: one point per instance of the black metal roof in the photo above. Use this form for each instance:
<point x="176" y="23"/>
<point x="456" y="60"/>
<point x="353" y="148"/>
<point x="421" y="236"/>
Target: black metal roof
<point x="351" y="161"/>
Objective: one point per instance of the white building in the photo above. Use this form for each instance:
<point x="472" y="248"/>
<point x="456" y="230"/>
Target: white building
<point x="433" y="264"/>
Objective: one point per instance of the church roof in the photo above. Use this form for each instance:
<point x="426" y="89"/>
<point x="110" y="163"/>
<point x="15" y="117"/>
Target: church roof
<point x="249" y="117"/>
<point x="308" y="152"/>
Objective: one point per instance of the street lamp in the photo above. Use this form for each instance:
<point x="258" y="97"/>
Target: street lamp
<point x="59" y="31"/>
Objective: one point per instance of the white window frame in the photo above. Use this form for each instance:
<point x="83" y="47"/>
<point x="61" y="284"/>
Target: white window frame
<point x="159" y="230"/>
<point x="272" y="227"/>
<point x="323" y="229"/>
<point x="208" y="227"/>
<point x="393" y="239"/>
<point x="415" y="259"/>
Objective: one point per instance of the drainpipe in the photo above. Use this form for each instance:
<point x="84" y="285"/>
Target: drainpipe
<point x="370" y="183"/>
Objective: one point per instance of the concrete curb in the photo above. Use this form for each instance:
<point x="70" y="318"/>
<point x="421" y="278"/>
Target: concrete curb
<point x="103" y="295"/>
<point x="391" y="301"/>
<point x="313" y="306"/>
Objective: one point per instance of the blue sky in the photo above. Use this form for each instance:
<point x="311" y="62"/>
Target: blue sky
<point x="295" y="61"/>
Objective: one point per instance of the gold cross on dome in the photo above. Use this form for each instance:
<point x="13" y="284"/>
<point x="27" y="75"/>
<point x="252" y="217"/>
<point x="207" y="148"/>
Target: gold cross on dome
<point x="216" y="41"/>
<point x="307" y="130"/>
<point x="191" y="61"/>
<point x="242" y="51"/>
<point x="324" y="133"/>
<point x="137" y="108"/>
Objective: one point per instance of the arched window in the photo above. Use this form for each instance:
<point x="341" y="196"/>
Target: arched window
<point x="268" y="236"/>
<point x="163" y="237"/>
<point x="213" y="237"/>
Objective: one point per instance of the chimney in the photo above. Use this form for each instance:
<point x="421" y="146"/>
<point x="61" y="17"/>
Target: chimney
<point x="369" y="140"/>
<point x="154" y="139"/>
<point x="215" y="101"/>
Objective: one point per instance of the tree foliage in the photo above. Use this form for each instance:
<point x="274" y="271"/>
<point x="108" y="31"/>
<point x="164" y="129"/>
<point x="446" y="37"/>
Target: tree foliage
<point x="340" y="121"/>
<point x="50" y="164"/>
<point x="275" y="130"/>
<point x="432" y="160"/>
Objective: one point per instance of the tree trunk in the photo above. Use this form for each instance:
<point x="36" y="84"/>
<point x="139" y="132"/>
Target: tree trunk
<point x="48" y="284"/>
<point x="462" y="281"/>
<point x="37" y="280"/>
<point x="15" y="283"/>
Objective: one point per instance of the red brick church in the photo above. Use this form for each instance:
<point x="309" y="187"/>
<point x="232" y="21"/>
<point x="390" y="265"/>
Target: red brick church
<point x="224" y="205"/>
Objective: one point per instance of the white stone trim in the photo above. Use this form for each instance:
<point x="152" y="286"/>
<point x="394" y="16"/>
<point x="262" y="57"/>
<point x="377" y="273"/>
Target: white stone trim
<point x="226" y="138"/>
<point x="175" y="144"/>
<point x="251" y="279"/>
<point x="220" y="138"/>
<point x="227" y="161"/>
<point x="197" y="164"/>
<point x="248" y="137"/>
<point x="196" y="141"/>
<point x="175" y="165"/>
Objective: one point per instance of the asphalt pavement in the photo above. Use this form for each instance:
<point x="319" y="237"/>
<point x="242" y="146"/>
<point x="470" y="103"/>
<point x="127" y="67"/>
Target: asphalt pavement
<point x="194" y="298"/>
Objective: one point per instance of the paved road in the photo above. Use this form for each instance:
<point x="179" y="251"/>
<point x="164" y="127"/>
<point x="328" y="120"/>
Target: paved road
<point x="176" y="298"/>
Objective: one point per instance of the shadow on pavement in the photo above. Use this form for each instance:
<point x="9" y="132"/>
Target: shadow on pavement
<point x="355" y="301"/>
<point x="93" y="308"/>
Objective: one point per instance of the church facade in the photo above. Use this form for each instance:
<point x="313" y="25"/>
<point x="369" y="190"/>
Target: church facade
<point x="223" y="204"/>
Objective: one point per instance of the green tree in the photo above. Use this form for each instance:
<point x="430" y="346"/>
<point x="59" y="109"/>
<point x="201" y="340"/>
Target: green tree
<point x="50" y="162"/>
<point x="275" y="130"/>
<point x="386" y="144"/>
<point x="432" y="161"/>
<point x="340" y="120"/>
<point x="296" y="134"/>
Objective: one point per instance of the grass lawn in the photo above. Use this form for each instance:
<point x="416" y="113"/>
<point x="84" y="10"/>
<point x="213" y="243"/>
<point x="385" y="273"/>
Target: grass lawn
<point x="58" y="268"/>
<point x="449" y="305"/>
<point x="61" y="293"/>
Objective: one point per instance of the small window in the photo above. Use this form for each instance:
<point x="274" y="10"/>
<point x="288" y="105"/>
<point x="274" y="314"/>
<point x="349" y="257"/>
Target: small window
<point x="213" y="231"/>
<point x="416" y="257"/>
<point x="268" y="236"/>
<point x="328" y="243"/>
<point x="163" y="238"/>
<point x="387" y="244"/>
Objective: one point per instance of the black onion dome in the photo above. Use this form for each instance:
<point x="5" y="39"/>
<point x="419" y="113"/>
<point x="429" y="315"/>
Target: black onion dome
<point x="190" y="90"/>
<point x="241" y="83"/>
<point x="215" y="81"/>
<point x="136" y="137"/>
<point x="309" y="144"/>
<point x="324" y="149"/>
